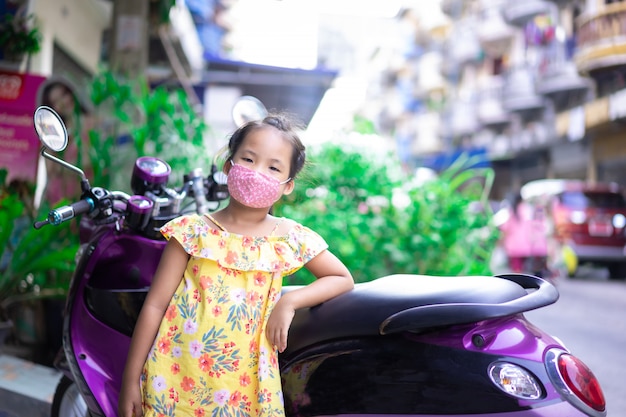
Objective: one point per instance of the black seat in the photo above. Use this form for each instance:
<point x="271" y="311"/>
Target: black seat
<point x="397" y="303"/>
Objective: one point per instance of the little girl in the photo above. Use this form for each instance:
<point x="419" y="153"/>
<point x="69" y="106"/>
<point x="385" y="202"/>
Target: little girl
<point x="207" y="339"/>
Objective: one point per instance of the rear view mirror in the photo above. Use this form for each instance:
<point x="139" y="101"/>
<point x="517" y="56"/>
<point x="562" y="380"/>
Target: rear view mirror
<point x="50" y="129"/>
<point x="247" y="109"/>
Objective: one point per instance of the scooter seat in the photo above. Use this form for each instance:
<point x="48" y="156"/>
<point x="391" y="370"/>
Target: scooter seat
<point x="416" y="303"/>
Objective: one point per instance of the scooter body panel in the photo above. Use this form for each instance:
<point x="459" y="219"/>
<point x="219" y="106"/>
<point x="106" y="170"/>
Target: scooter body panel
<point x="108" y="296"/>
<point x="430" y="372"/>
<point x="440" y="373"/>
<point x="554" y="410"/>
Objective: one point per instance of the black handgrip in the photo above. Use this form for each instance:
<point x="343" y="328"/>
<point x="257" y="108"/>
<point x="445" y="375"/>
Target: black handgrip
<point x="82" y="206"/>
<point x="61" y="214"/>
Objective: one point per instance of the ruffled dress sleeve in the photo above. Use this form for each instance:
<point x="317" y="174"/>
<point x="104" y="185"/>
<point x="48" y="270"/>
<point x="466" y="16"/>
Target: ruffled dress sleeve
<point x="277" y="254"/>
<point x="187" y="230"/>
<point x="306" y="245"/>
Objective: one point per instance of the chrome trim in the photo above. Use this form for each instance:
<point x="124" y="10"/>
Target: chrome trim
<point x="552" y="368"/>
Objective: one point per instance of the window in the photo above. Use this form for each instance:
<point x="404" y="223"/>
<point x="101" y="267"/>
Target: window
<point x="582" y="200"/>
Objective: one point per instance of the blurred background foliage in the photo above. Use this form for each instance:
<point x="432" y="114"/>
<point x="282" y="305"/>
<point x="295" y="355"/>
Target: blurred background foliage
<point x="132" y="120"/>
<point x="33" y="263"/>
<point x="379" y="220"/>
<point x="127" y="119"/>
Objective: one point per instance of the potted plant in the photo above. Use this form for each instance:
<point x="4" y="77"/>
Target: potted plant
<point x="140" y="121"/>
<point x="35" y="265"/>
<point x="19" y="36"/>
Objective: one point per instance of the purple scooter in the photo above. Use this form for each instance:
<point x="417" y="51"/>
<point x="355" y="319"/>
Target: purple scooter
<point x="401" y="345"/>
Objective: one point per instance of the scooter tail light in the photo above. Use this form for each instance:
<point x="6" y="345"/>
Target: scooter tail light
<point x="515" y="380"/>
<point x="579" y="378"/>
<point x="575" y="382"/>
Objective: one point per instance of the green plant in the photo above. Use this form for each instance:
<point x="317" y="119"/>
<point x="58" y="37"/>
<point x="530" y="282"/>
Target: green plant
<point x="133" y="122"/>
<point x="379" y="221"/>
<point x="163" y="9"/>
<point x="33" y="263"/>
<point x="136" y="120"/>
<point x="19" y="35"/>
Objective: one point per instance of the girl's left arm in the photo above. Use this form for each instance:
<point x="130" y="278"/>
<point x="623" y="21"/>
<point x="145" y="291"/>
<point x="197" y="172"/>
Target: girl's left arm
<point x="333" y="279"/>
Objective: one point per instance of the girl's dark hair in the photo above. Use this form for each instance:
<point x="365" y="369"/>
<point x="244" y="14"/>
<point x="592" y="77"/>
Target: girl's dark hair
<point x="282" y="122"/>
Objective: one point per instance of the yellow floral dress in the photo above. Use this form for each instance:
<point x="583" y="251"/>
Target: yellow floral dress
<point x="211" y="356"/>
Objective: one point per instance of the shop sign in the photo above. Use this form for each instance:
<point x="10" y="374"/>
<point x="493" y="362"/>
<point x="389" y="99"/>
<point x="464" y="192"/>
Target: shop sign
<point x="19" y="146"/>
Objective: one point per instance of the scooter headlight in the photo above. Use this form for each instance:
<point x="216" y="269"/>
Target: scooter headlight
<point x="515" y="380"/>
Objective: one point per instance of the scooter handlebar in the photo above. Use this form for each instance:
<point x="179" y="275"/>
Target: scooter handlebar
<point x="61" y="214"/>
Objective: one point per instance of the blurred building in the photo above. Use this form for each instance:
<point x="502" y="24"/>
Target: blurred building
<point x="197" y="49"/>
<point x="535" y="86"/>
<point x="71" y="37"/>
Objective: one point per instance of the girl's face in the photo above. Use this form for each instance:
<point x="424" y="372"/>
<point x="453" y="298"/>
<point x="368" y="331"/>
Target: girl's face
<point x="266" y="150"/>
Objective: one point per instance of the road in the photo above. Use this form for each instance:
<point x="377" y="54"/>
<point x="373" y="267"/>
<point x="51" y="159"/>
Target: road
<point x="590" y="319"/>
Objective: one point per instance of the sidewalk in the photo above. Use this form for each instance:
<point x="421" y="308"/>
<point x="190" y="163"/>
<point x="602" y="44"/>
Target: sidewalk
<point x="26" y="388"/>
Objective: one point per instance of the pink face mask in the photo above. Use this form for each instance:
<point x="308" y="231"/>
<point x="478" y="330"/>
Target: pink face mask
<point x="252" y="188"/>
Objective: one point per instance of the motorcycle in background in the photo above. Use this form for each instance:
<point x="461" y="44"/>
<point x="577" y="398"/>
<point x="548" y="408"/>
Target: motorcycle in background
<point x="409" y="345"/>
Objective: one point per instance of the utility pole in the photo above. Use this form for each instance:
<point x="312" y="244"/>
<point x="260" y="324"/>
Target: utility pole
<point x="129" y="41"/>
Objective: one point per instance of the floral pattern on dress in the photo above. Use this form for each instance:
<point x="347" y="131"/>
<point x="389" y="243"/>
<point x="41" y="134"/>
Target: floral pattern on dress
<point x="211" y="356"/>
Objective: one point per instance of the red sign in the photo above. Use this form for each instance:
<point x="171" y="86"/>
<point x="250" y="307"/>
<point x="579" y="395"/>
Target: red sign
<point x="19" y="146"/>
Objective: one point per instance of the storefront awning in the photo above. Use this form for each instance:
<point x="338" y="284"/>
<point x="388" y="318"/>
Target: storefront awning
<point x="296" y="91"/>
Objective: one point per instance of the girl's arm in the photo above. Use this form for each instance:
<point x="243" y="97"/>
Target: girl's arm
<point x="333" y="279"/>
<point x="166" y="279"/>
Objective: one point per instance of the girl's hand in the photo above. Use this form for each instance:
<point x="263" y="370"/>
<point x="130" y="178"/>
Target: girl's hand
<point x="278" y="323"/>
<point x="129" y="404"/>
<point x="333" y="278"/>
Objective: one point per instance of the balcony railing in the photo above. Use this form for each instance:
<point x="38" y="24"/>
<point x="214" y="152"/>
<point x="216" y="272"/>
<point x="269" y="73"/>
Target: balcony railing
<point x="490" y="111"/>
<point x="460" y="119"/>
<point x="566" y="88"/>
<point x="463" y="46"/>
<point x="453" y="8"/>
<point x="518" y="13"/>
<point x="494" y="34"/>
<point x="602" y="39"/>
<point x="520" y="95"/>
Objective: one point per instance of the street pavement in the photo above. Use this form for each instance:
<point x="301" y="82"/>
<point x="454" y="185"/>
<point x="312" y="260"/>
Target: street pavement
<point x="589" y="319"/>
<point x="26" y="389"/>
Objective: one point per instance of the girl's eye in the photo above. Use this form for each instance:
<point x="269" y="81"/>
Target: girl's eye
<point x="246" y="160"/>
<point x="275" y="169"/>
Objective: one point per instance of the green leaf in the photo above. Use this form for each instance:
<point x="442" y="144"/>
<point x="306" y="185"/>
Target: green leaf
<point x="347" y="198"/>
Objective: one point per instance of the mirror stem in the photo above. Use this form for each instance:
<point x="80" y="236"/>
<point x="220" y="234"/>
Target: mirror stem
<point x="84" y="185"/>
<point x="83" y="178"/>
